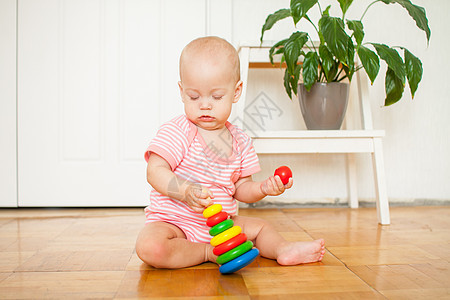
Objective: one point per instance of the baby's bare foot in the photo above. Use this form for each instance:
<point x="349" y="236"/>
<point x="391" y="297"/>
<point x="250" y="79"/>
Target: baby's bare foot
<point x="294" y="253"/>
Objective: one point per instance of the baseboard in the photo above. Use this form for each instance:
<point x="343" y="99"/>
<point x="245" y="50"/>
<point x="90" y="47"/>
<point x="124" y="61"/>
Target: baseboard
<point x="279" y="202"/>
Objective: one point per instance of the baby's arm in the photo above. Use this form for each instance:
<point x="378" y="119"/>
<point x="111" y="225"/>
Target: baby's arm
<point x="250" y="191"/>
<point x="163" y="180"/>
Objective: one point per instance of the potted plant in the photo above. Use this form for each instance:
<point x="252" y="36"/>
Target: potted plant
<point x="332" y="59"/>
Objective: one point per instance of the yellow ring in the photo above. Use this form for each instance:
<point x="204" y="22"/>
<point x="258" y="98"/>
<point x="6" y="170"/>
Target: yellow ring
<point x="226" y="235"/>
<point x="212" y="210"/>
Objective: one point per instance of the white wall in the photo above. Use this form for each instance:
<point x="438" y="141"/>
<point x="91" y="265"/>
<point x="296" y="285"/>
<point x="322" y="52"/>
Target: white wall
<point x="416" y="146"/>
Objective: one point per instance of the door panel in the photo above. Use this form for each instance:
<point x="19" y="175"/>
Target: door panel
<point x="96" y="78"/>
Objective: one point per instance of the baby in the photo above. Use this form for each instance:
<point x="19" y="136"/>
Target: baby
<point x="200" y="158"/>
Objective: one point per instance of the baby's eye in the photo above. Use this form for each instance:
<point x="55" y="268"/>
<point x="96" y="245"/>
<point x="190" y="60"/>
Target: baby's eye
<point x="217" y="97"/>
<point x="193" y="97"/>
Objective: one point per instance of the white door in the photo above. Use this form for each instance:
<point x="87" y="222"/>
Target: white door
<point x="95" y="80"/>
<point x="8" y="162"/>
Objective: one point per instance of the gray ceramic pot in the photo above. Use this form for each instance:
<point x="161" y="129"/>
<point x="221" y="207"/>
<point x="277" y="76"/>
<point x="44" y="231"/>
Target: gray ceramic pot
<point x="324" y="106"/>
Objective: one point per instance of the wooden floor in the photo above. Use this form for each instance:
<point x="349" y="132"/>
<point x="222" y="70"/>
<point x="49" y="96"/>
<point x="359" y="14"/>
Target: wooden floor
<point x="89" y="253"/>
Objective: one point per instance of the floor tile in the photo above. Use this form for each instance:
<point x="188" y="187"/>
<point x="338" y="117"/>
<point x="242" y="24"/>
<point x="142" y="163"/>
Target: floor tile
<point x="10" y="261"/>
<point x="60" y="285"/>
<point x="381" y="255"/>
<point x="108" y="260"/>
<point x="302" y="279"/>
<point x="188" y="283"/>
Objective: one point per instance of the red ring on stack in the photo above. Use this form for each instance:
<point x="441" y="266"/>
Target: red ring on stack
<point x="230" y="244"/>
<point x="217" y="218"/>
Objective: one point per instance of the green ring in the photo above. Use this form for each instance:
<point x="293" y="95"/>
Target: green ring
<point x="235" y="252"/>
<point x="221" y="227"/>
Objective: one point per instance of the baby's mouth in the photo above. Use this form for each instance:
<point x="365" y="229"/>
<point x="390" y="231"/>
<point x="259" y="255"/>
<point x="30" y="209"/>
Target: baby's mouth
<point x="206" y="118"/>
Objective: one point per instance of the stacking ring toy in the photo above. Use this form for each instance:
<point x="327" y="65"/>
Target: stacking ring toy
<point x="235" y="252"/>
<point x="217" y="218"/>
<point x="230" y="244"/>
<point x="240" y="262"/>
<point x="226" y="235"/>
<point x="212" y="210"/>
<point x="221" y="227"/>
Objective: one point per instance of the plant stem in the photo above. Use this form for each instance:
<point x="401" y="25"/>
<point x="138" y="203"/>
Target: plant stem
<point x="337" y="75"/>
<point x="314" y="25"/>
<point x="343" y="77"/>
<point x="322" y="74"/>
<point x="368" y="8"/>
<point x="312" y="43"/>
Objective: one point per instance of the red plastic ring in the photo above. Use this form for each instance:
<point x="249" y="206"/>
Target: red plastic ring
<point x="217" y="218"/>
<point x="230" y="244"/>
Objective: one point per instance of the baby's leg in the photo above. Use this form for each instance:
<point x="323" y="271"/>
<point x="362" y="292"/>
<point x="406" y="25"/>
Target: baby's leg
<point x="272" y="245"/>
<point x="163" y="245"/>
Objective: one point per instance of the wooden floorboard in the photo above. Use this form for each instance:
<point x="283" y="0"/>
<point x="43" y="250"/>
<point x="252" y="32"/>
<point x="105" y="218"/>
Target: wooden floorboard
<point x="89" y="253"/>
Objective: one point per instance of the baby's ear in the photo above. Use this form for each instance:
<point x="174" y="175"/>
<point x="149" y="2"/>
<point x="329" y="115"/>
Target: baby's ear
<point x="180" y="85"/>
<point x="238" y="91"/>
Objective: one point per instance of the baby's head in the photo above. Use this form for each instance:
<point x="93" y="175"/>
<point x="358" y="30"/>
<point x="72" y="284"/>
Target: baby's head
<point x="215" y="51"/>
<point x="209" y="81"/>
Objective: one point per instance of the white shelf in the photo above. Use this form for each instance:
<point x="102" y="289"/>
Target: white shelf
<point x="365" y="140"/>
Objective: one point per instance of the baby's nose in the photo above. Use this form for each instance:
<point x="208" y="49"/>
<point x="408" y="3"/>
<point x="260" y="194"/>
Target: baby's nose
<point x="205" y="104"/>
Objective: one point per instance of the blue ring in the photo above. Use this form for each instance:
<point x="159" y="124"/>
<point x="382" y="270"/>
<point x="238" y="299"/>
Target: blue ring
<point x="239" y="262"/>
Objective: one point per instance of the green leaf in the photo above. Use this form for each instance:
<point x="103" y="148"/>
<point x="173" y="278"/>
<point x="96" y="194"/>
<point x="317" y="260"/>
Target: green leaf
<point x="345" y="4"/>
<point x="287" y="83"/>
<point x="350" y="60"/>
<point x="327" y="62"/>
<point x="296" y="78"/>
<point x="299" y="8"/>
<point x="419" y="15"/>
<point x="279" y="51"/>
<point x="394" y="87"/>
<point x="291" y="81"/>
<point x="370" y="62"/>
<point x="416" y="12"/>
<point x="292" y="49"/>
<point x="333" y="72"/>
<point x="393" y="59"/>
<point x="326" y="12"/>
<point x="280" y="46"/>
<point x="335" y="36"/>
<point x="357" y="28"/>
<point x="273" y="18"/>
<point x="414" y="71"/>
<point x="283" y="59"/>
<point x="310" y="69"/>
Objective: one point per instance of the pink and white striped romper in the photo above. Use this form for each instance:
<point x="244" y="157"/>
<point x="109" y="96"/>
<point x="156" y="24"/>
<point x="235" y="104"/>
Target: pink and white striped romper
<point x="180" y="144"/>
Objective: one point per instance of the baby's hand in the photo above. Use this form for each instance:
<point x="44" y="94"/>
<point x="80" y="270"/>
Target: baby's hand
<point x="273" y="186"/>
<point x="198" y="198"/>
